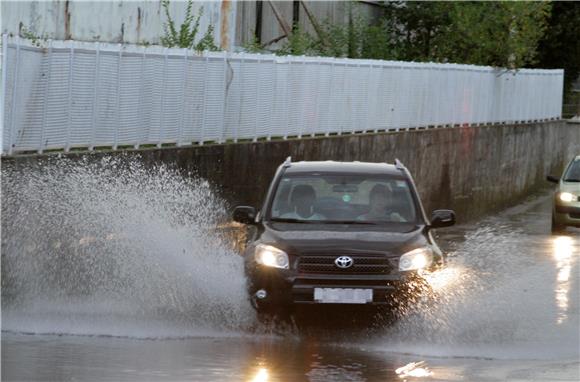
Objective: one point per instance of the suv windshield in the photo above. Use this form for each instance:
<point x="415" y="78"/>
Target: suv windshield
<point x="573" y="173"/>
<point x="350" y="198"/>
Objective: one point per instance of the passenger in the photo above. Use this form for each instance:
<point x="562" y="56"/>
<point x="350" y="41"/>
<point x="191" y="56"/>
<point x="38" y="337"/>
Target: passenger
<point x="302" y="202"/>
<point x="380" y="203"/>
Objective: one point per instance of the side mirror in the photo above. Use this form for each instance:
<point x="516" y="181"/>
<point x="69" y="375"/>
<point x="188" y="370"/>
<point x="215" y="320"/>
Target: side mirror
<point x="442" y="218"/>
<point x="244" y="215"/>
<point x="553" y="179"/>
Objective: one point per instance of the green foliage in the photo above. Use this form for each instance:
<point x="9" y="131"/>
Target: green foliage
<point x="414" y="28"/>
<point x="501" y="34"/>
<point x="185" y="35"/>
<point x="299" y="43"/>
<point x="560" y="47"/>
<point x="37" y="40"/>
<point x="253" y="46"/>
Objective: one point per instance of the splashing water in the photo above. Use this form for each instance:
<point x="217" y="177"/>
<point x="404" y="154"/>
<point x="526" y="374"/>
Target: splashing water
<point x="506" y="294"/>
<point x="110" y="247"/>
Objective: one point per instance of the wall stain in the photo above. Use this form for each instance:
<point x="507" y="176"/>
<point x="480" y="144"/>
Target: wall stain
<point x="139" y="17"/>
<point x="67" y="33"/>
<point x="224" y="24"/>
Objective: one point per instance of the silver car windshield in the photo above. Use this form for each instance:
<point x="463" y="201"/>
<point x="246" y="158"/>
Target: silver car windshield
<point x="573" y="172"/>
<point x="351" y="199"/>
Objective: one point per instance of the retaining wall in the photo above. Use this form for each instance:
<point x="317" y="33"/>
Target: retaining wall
<point x="473" y="170"/>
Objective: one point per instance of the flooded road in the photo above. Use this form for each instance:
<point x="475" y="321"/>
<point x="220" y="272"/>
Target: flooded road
<point x="507" y="305"/>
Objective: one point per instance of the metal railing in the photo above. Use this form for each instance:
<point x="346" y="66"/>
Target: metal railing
<point x="69" y="94"/>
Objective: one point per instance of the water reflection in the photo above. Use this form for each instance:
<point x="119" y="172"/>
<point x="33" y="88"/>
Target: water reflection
<point x="414" y="369"/>
<point x="563" y="250"/>
<point x="261" y="375"/>
<point x="314" y="360"/>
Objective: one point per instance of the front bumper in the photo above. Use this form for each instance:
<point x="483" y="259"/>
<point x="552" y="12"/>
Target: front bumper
<point x="567" y="214"/>
<point x="285" y="288"/>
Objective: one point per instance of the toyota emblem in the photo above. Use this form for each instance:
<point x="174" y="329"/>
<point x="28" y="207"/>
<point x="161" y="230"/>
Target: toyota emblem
<point x="344" y="262"/>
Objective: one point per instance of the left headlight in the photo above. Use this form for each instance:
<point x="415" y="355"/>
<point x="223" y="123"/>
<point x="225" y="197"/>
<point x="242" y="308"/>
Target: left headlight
<point x="271" y="256"/>
<point x="567" y="197"/>
<point x="419" y="258"/>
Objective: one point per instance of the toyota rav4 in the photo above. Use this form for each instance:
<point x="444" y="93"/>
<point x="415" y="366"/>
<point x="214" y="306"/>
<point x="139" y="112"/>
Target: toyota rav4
<point x="338" y="233"/>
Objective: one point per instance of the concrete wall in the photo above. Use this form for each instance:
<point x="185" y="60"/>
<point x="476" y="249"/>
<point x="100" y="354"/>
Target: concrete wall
<point x="114" y="20"/>
<point x="474" y="170"/>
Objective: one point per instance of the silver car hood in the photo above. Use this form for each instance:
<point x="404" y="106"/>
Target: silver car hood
<point x="573" y="187"/>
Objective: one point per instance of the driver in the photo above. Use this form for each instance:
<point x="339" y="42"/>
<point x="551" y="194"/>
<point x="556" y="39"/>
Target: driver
<point x="380" y="199"/>
<point x="302" y="203"/>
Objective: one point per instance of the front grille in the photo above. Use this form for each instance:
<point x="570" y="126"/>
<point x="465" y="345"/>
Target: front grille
<point x="370" y="265"/>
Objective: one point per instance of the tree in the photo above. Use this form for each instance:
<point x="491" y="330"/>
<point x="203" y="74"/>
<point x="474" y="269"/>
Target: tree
<point x="560" y="47"/>
<point x="501" y="34"/>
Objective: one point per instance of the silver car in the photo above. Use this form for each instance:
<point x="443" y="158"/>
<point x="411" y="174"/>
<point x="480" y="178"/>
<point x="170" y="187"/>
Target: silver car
<point x="566" y="210"/>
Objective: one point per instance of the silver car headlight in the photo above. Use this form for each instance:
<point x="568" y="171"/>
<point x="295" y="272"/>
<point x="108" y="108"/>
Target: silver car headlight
<point x="567" y="197"/>
<point x="419" y="258"/>
<point x="271" y="256"/>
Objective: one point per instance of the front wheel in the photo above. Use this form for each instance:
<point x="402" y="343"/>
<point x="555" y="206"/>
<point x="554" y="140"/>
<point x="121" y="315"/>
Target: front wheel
<point x="273" y="314"/>
<point x="416" y="295"/>
<point x="557" y="228"/>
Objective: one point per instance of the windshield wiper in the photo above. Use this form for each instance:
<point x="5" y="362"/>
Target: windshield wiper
<point x="349" y="222"/>
<point x="290" y="220"/>
<point x="571" y="180"/>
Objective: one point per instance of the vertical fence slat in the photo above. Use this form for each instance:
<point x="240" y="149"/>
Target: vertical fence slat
<point x="204" y="116"/>
<point x="141" y="136"/>
<point x="95" y="97"/>
<point x="3" y="87"/>
<point x="46" y="97"/>
<point x="118" y="115"/>
<point x="225" y="100"/>
<point x="14" y="96"/>
<point x="163" y="97"/>
<point x="183" y="97"/>
<point x="257" y="120"/>
<point x="70" y="85"/>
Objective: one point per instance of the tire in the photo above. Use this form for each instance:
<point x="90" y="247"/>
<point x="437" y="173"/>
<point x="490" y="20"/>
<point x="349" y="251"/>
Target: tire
<point x="269" y="314"/>
<point x="557" y="228"/>
<point x="416" y="295"/>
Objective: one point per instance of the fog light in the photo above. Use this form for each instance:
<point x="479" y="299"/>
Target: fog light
<point x="261" y="294"/>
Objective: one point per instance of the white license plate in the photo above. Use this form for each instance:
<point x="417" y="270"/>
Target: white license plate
<point x="343" y="295"/>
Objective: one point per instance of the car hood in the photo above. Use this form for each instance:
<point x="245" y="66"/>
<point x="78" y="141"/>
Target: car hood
<point x="573" y="187"/>
<point x="305" y="239"/>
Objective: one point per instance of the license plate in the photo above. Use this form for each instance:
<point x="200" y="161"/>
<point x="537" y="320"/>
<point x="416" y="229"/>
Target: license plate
<point x="343" y="295"/>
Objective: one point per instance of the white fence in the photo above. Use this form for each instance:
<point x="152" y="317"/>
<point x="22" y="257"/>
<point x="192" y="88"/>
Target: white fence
<point x="71" y="94"/>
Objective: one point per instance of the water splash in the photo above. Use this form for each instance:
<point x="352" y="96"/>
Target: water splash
<point x="500" y="297"/>
<point x="112" y="247"/>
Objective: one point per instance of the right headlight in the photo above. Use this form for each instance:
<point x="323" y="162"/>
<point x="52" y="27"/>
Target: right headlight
<point x="271" y="256"/>
<point x="567" y="197"/>
<point x="419" y="258"/>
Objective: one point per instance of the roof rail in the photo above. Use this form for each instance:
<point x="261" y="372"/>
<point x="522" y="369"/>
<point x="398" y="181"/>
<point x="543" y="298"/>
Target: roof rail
<point x="287" y="162"/>
<point x="399" y="165"/>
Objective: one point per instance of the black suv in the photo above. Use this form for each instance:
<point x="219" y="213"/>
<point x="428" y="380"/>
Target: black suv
<point x="338" y="233"/>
